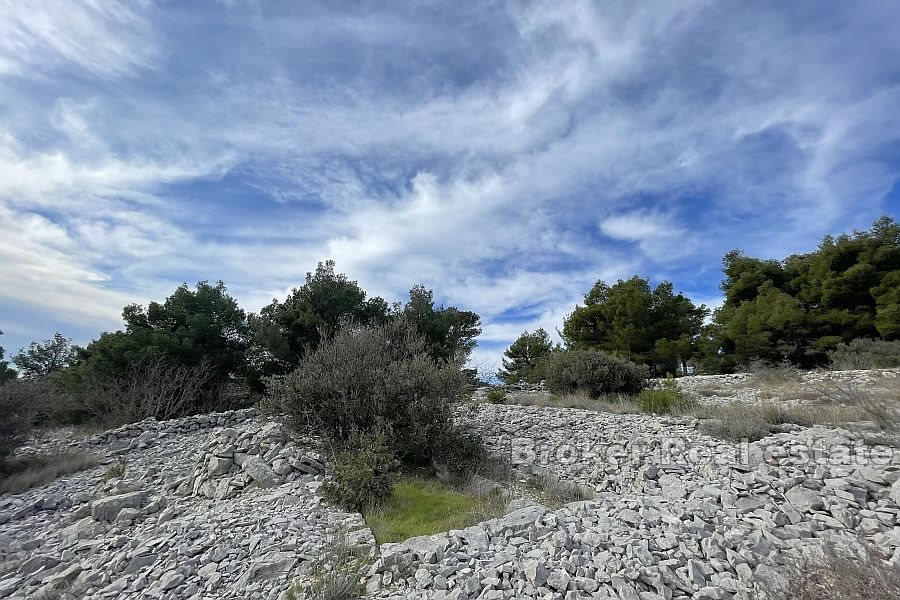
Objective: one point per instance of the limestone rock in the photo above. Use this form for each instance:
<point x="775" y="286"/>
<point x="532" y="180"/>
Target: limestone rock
<point x="106" y="509"/>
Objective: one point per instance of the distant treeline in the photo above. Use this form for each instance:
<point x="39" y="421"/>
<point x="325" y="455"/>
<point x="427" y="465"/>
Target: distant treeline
<point x="205" y="331"/>
<point x="798" y="310"/>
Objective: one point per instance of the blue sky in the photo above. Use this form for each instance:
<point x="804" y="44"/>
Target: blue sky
<point x="505" y="154"/>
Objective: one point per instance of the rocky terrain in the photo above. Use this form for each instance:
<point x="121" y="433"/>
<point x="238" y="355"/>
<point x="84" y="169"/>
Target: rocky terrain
<point x="226" y="506"/>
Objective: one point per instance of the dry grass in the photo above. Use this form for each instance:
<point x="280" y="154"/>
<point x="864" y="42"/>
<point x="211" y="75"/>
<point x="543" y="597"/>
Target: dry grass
<point x="767" y="376"/>
<point x="336" y="575"/>
<point x="877" y="403"/>
<point x="32" y="471"/>
<point x="836" y="577"/>
<point x="706" y="391"/>
<point x="554" y="492"/>
<point x="746" y="421"/>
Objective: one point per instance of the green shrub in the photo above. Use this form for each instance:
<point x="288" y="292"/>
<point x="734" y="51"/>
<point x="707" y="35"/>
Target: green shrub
<point x="377" y="378"/>
<point x="863" y="353"/>
<point x="664" y="400"/>
<point x="593" y="373"/>
<point x="461" y="452"/>
<point x="17" y="399"/>
<point x="661" y="401"/>
<point x="363" y="474"/>
<point x="496" y="395"/>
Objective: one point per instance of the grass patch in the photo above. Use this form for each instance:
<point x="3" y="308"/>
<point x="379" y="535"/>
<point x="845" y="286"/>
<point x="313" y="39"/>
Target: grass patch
<point x="421" y="506"/>
<point x="555" y="493"/>
<point x="26" y="472"/>
<point x="662" y="401"/>
<point x="835" y="577"/>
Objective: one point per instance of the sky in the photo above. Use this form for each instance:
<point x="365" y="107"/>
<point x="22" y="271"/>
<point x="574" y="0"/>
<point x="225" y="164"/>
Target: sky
<point x="506" y="154"/>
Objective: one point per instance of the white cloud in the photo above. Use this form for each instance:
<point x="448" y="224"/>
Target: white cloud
<point x="659" y="236"/>
<point x="104" y="37"/>
<point x="489" y="183"/>
<point x="44" y="269"/>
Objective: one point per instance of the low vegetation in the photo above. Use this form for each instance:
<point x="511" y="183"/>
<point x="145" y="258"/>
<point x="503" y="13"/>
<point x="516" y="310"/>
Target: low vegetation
<point x="496" y="396"/>
<point x="592" y="373"/>
<point x="26" y="472"/>
<point x="664" y="400"/>
<point x="863" y="353"/>
<point x="115" y="471"/>
<point x="554" y="492"/>
<point x="335" y="575"/>
<point x="424" y="506"/>
<point x="836" y="577"/>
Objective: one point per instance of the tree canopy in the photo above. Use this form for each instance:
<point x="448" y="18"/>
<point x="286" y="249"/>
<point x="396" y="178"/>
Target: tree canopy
<point x="284" y="332"/>
<point x="801" y="308"/>
<point x="522" y="361"/>
<point x="43" y="358"/>
<point x="190" y="327"/>
<point x="6" y="372"/>
<point x="655" y="327"/>
<point x="448" y="331"/>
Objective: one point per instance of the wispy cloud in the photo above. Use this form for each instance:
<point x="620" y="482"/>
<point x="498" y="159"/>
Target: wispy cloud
<point x="102" y="37"/>
<point x="507" y="155"/>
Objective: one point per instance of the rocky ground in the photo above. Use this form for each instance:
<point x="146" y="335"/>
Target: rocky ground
<point x="788" y="386"/>
<point x="217" y="506"/>
<point x="226" y="506"/>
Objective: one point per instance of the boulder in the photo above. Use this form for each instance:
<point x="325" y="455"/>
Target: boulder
<point x="261" y="473"/>
<point x="804" y="499"/>
<point x="107" y="509"/>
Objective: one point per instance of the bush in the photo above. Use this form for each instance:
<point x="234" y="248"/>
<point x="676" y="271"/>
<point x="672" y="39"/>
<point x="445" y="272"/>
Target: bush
<point x="661" y="401"/>
<point x="593" y="373"/>
<point x="362" y="474"/>
<point x="863" y="353"/>
<point x="461" y="452"/>
<point x="372" y="379"/>
<point x="496" y="396"/>
<point x="157" y="388"/>
<point x="17" y="401"/>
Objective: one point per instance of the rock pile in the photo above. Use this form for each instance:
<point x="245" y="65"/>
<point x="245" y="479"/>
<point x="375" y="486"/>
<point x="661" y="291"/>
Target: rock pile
<point x="792" y="387"/>
<point x="261" y="456"/>
<point x="676" y="514"/>
<point x="724" y="521"/>
<point x="140" y="434"/>
<point x="146" y="536"/>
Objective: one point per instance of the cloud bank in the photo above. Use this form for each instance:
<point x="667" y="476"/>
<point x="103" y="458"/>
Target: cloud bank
<point x="506" y="154"/>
